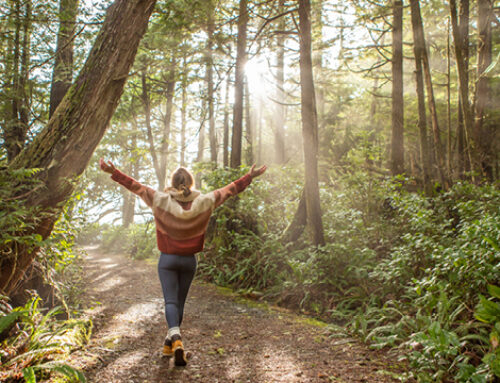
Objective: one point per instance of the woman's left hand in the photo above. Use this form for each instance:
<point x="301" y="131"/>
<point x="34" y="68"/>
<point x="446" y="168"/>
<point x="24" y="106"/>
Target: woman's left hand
<point x="107" y="167"/>
<point x="257" y="172"/>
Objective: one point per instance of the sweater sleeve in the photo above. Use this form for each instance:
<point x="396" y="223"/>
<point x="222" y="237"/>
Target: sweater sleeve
<point x="145" y="192"/>
<point x="222" y="194"/>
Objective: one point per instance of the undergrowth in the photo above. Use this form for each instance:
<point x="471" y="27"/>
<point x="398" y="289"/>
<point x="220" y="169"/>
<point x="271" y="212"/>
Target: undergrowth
<point x="400" y="270"/>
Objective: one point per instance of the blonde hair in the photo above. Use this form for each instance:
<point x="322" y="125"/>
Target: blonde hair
<point x="182" y="180"/>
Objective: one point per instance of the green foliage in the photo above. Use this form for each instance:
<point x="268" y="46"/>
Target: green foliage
<point x="15" y="218"/>
<point x="137" y="241"/>
<point x="36" y="343"/>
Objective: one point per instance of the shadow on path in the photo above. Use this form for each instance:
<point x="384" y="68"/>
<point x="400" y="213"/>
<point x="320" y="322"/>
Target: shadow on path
<point x="230" y="339"/>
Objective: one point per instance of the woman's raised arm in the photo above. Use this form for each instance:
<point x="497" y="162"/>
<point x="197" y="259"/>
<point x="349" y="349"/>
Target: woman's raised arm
<point x="145" y="192"/>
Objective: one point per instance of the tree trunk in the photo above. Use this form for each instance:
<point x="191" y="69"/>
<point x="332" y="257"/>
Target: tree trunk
<point x="463" y="32"/>
<point x="419" y="38"/>
<point x="485" y="132"/>
<point x="184" y="110"/>
<point x="299" y="221"/>
<point x="241" y="46"/>
<point x="248" y="126"/>
<point x="62" y="76"/>
<point x="309" y="124"/>
<point x="128" y="209"/>
<point x="167" y="122"/>
<point x="146" y="103"/>
<point x="470" y="138"/>
<point x="397" y="152"/>
<point x="16" y="129"/>
<point x="63" y="148"/>
<point x="225" y="142"/>
<point x="279" y="133"/>
<point x="210" y="84"/>
<point x="422" y="119"/>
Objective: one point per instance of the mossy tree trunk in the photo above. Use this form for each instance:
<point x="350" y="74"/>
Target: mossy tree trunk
<point x="63" y="148"/>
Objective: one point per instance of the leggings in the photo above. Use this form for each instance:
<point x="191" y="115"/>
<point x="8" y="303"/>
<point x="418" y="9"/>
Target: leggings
<point x="176" y="274"/>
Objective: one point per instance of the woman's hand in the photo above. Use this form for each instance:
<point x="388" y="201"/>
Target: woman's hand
<point x="107" y="167"/>
<point x="257" y="172"/>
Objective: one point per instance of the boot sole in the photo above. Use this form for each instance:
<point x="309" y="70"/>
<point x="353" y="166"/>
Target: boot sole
<point x="179" y="357"/>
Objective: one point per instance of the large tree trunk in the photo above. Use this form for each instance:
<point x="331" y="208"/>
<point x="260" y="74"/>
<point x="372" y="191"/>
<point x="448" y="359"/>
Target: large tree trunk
<point x="422" y="119"/>
<point x="62" y="76"/>
<point x="397" y="152"/>
<point x="279" y="133"/>
<point x="419" y="38"/>
<point x="486" y="133"/>
<point x="241" y="46"/>
<point x="309" y="124"/>
<point x="167" y="121"/>
<point x="63" y="148"/>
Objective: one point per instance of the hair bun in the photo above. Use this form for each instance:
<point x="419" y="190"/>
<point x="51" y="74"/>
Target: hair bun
<point x="185" y="190"/>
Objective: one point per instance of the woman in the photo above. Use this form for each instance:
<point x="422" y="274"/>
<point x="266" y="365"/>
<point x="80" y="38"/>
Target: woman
<point x="181" y="216"/>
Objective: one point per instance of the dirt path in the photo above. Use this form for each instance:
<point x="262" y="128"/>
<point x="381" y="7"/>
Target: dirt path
<point x="231" y="340"/>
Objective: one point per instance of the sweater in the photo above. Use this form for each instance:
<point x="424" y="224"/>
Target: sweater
<point x="181" y="222"/>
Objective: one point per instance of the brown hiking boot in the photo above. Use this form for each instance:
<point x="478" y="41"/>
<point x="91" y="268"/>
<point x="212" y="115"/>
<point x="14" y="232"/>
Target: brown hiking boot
<point x="168" y="351"/>
<point x="178" y="350"/>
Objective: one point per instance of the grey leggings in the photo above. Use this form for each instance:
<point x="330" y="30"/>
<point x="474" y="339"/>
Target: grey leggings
<point x="176" y="274"/>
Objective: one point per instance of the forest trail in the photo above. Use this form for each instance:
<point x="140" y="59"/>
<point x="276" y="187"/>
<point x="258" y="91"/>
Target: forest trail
<point x="232" y="340"/>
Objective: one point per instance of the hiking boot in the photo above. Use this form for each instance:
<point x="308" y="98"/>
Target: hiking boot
<point x="167" y="348"/>
<point x="178" y="349"/>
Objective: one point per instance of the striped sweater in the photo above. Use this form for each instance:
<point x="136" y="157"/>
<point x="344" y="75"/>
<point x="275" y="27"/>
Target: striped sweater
<point x="181" y="222"/>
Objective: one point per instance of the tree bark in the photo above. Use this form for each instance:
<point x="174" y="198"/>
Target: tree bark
<point x="210" y="83"/>
<point x="463" y="33"/>
<point x="279" y="133"/>
<point x="309" y="125"/>
<point x="470" y="137"/>
<point x="241" y="46"/>
<point x="146" y="103"/>
<point x="184" y="110"/>
<point x="16" y="128"/>
<point x="397" y="146"/>
<point x="248" y="126"/>
<point x="167" y="121"/>
<point x="62" y="75"/>
<point x="225" y="140"/>
<point x="485" y="132"/>
<point x="419" y="38"/>
<point x="63" y="148"/>
<point x="128" y="209"/>
<point x="422" y="119"/>
<point x="299" y="221"/>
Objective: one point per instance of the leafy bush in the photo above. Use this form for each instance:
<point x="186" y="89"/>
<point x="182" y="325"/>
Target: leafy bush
<point x="36" y="343"/>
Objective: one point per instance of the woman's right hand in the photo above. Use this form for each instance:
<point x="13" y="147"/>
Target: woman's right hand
<point x="257" y="172"/>
<point x="107" y="167"/>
